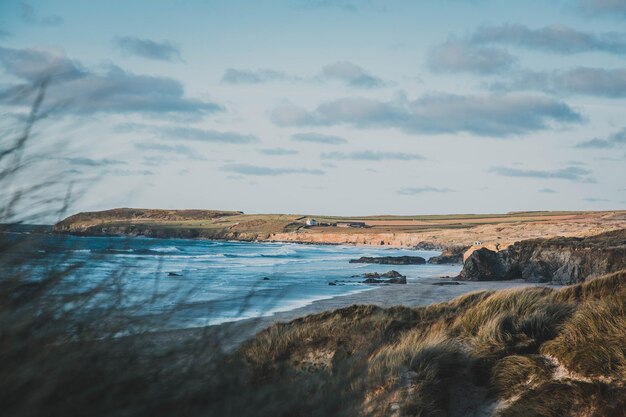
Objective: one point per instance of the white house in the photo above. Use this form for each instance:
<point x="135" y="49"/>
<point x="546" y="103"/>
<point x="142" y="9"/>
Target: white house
<point x="311" y="222"/>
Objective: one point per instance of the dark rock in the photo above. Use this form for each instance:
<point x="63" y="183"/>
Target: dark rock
<point x="557" y="260"/>
<point x="394" y="278"/>
<point x="399" y="280"/>
<point x="446" y="259"/>
<point x="332" y="283"/>
<point x="390" y="274"/>
<point x="451" y="255"/>
<point x="390" y="260"/>
<point x="266" y="278"/>
<point x="446" y="283"/>
<point x="484" y="265"/>
<point x="393" y="274"/>
<point x="174" y="274"/>
<point x="427" y="246"/>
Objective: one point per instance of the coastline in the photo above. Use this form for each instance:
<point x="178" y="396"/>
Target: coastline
<point x="419" y="291"/>
<point x="414" y="294"/>
<point x="493" y="231"/>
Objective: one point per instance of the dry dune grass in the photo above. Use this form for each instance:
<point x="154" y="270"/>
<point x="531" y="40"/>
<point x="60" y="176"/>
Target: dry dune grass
<point x="610" y="285"/>
<point x="592" y="342"/>
<point x="519" y="352"/>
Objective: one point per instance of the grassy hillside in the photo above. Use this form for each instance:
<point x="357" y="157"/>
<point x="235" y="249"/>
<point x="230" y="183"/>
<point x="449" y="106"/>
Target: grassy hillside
<point x="166" y="216"/>
<point x="459" y="216"/>
<point x="180" y="223"/>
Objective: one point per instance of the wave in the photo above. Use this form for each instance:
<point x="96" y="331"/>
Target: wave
<point x="166" y="249"/>
<point x="203" y="256"/>
<point x="256" y="262"/>
<point x="113" y="251"/>
<point x="283" y="252"/>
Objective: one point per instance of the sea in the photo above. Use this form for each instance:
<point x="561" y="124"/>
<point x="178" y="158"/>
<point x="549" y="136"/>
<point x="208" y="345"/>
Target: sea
<point x="203" y="282"/>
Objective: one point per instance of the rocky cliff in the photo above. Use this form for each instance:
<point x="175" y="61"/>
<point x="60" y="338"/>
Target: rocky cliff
<point x="556" y="260"/>
<point x="159" y="231"/>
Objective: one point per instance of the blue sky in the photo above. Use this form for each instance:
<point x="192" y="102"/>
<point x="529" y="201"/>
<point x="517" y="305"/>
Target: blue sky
<point x="328" y="106"/>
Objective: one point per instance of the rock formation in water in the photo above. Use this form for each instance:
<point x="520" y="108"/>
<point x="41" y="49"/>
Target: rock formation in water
<point x="394" y="278"/>
<point x="390" y="260"/>
<point x="557" y="260"/>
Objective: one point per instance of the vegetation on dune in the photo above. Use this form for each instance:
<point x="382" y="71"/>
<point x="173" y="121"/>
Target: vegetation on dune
<point x="533" y="351"/>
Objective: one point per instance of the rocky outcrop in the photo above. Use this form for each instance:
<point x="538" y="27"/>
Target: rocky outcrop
<point x="390" y="274"/>
<point x="394" y="278"/>
<point x="390" y="260"/>
<point x="558" y="260"/>
<point x="485" y="265"/>
<point x="427" y="246"/>
<point x="450" y="255"/>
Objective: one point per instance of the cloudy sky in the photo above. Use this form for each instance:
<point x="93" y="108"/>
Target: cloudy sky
<point x="327" y="106"/>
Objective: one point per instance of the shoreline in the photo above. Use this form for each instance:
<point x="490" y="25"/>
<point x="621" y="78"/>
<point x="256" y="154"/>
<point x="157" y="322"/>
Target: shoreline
<point x="232" y="334"/>
<point x="423" y="246"/>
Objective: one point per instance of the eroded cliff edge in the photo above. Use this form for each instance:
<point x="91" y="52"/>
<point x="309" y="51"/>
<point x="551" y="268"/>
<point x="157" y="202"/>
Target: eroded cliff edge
<point x="558" y="260"/>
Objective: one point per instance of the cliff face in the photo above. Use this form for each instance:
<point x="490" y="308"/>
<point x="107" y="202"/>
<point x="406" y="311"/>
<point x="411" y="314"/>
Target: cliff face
<point x="557" y="260"/>
<point x="157" y="231"/>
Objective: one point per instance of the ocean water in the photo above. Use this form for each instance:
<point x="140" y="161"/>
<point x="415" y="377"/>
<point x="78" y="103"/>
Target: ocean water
<point x="201" y="282"/>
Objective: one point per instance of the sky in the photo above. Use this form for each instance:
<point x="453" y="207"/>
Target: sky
<point x="346" y="107"/>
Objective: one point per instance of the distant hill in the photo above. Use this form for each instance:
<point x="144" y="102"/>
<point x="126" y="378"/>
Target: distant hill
<point x="494" y="231"/>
